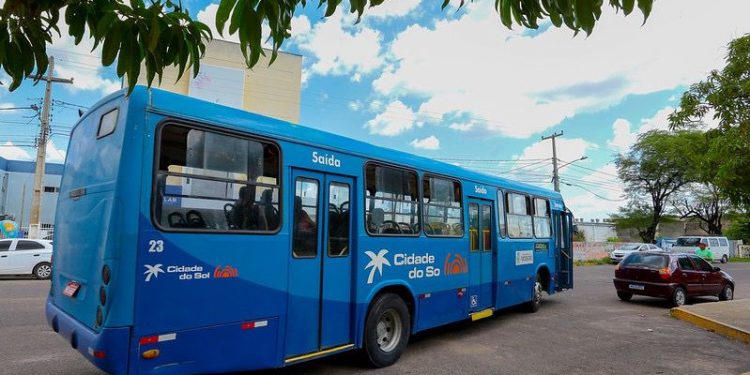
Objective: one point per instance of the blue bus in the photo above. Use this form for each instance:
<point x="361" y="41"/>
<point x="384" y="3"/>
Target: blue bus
<point x="196" y="238"/>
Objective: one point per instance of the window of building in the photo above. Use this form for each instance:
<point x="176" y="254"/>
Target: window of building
<point x="519" y="216"/>
<point x="541" y="218"/>
<point x="210" y="181"/>
<point x="442" y="207"/>
<point x="305" y="221"/>
<point x="501" y="213"/>
<point x="392" y="205"/>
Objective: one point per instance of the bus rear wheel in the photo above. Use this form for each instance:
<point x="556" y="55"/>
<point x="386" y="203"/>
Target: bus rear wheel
<point x="387" y="330"/>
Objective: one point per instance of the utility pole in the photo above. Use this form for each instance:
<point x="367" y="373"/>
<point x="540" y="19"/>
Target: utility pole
<point x="41" y="148"/>
<point x="555" y="174"/>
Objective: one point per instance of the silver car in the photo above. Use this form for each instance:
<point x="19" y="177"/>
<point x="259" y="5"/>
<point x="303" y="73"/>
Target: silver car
<point x="623" y="251"/>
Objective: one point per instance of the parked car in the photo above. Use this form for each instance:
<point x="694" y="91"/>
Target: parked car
<point x="617" y="255"/>
<point x="675" y="277"/>
<point x="719" y="246"/>
<point x="20" y="256"/>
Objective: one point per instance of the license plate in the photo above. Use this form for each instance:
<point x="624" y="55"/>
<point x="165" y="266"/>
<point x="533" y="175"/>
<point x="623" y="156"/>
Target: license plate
<point x="636" y="287"/>
<point x="71" y="289"/>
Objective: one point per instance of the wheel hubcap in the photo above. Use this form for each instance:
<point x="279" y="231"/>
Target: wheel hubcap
<point x="388" y="330"/>
<point x="680" y="298"/>
<point x="44" y="271"/>
<point x="728" y="293"/>
<point x="537" y="292"/>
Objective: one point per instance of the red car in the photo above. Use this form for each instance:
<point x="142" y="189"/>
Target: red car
<point x="675" y="277"/>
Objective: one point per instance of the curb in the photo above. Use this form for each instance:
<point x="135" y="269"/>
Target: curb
<point x="711" y="325"/>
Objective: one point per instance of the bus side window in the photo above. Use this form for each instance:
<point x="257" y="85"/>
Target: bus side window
<point x="519" y="216"/>
<point x="501" y="213"/>
<point x="442" y="202"/>
<point x="541" y="218"/>
<point x="210" y="181"/>
<point x="391" y="201"/>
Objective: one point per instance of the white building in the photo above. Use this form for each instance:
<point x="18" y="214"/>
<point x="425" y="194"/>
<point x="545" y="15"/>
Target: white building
<point x="17" y="188"/>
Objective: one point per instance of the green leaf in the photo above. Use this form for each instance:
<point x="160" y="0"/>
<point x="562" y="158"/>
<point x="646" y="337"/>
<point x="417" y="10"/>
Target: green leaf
<point x="645" y="7"/>
<point x="627" y="6"/>
<point x="222" y="14"/>
<point x="111" y="45"/>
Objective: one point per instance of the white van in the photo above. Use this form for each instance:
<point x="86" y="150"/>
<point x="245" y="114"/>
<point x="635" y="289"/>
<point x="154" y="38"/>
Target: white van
<point x="719" y="246"/>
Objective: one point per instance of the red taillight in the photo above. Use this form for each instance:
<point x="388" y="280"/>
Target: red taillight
<point x="149" y="340"/>
<point x="99" y="354"/>
<point x="664" y="273"/>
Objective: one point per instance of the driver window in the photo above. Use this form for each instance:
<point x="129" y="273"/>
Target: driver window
<point x="702" y="264"/>
<point x="685" y="264"/>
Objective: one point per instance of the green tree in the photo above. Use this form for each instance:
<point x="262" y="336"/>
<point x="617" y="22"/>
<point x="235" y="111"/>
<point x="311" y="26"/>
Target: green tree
<point x="740" y="228"/>
<point x="161" y="33"/>
<point x="724" y="96"/>
<point x="703" y="202"/>
<point x="636" y="217"/>
<point x="652" y="171"/>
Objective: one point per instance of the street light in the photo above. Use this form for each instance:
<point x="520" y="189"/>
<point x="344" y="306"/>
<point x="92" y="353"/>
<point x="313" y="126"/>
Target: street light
<point x="571" y="162"/>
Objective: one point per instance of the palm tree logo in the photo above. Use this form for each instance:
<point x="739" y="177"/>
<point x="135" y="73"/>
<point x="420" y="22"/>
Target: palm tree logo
<point x="376" y="263"/>
<point x="154" y="271"/>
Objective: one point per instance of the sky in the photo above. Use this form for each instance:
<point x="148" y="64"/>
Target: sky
<point x="458" y="86"/>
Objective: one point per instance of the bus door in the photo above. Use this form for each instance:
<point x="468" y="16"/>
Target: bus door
<point x="563" y="222"/>
<point x="320" y="266"/>
<point x="482" y="255"/>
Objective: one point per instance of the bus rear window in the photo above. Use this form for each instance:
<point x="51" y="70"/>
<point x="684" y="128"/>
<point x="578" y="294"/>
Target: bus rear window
<point x="655" y="261"/>
<point x="210" y="181"/>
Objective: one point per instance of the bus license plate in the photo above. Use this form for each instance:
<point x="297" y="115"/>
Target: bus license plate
<point x="636" y="287"/>
<point x="71" y="289"/>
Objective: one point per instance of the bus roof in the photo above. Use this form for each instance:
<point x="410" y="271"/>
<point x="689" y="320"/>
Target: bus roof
<point x="182" y="106"/>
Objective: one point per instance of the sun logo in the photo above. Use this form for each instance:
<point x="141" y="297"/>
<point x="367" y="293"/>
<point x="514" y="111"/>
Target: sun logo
<point x="225" y="272"/>
<point x="376" y="263"/>
<point x="455" y="265"/>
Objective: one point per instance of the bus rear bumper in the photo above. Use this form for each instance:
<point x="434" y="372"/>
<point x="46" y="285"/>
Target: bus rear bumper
<point x="106" y="349"/>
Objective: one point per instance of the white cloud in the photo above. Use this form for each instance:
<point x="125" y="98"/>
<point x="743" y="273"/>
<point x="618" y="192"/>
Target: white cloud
<point x="12" y="152"/>
<point x="586" y="204"/>
<point x="429" y="143"/>
<point x="522" y="84"/>
<point x="80" y="63"/>
<point x="355" y="105"/>
<point x="339" y="47"/>
<point x="568" y="149"/>
<point x="395" y="119"/>
<point x="208" y="16"/>
<point x="392" y="8"/>
<point x="462" y="127"/>
<point x="622" y="137"/>
<point x="54" y="154"/>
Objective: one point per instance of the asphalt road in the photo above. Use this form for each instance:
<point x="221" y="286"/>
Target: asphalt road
<point x="583" y="331"/>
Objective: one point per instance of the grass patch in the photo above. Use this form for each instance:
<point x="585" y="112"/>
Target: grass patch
<point x="593" y="262"/>
<point x="741" y="260"/>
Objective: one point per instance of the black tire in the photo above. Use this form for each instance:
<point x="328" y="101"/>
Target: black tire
<point x="42" y="271"/>
<point x="625" y="296"/>
<point x="387" y="330"/>
<point x="724" y="259"/>
<point x="727" y="293"/>
<point x="679" y="297"/>
<point x="536" y="295"/>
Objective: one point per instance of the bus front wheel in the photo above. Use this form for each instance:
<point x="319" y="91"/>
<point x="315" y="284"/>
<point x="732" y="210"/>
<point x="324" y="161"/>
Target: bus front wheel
<point x="387" y="330"/>
<point x="536" y="295"/>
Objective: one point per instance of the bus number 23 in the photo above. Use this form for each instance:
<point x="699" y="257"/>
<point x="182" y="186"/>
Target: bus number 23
<point x="155" y="246"/>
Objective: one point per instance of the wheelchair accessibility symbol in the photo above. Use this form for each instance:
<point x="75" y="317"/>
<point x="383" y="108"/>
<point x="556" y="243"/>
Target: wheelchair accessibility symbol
<point x="474" y="300"/>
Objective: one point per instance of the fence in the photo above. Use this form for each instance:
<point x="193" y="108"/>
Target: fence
<point x="46" y="231"/>
<point x="592" y="250"/>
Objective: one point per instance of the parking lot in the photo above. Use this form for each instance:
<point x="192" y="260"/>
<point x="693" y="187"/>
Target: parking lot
<point x="583" y="331"/>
